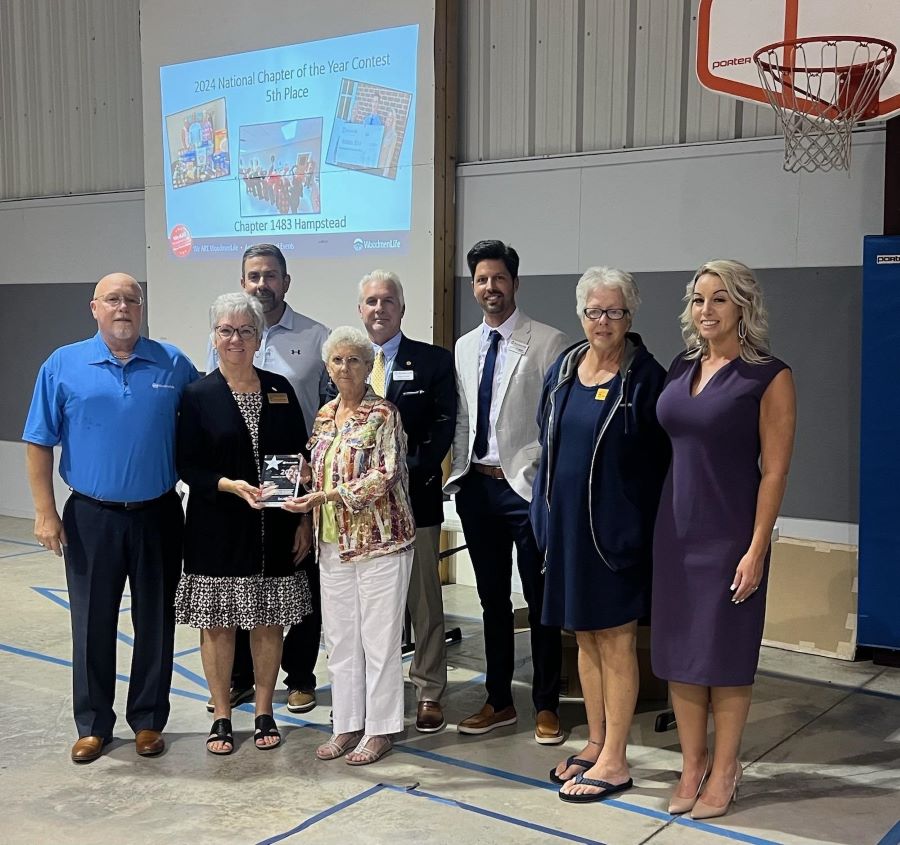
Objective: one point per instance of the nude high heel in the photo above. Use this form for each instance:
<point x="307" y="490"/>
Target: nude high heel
<point x="702" y="810"/>
<point x="682" y="805"/>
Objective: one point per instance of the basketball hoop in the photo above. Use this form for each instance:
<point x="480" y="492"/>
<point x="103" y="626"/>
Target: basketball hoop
<point x="820" y="88"/>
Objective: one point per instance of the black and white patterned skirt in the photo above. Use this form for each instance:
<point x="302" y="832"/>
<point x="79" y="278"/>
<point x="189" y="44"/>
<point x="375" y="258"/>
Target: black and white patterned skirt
<point x="207" y="601"/>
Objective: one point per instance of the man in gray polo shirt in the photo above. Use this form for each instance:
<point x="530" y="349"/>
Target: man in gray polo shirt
<point x="292" y="346"/>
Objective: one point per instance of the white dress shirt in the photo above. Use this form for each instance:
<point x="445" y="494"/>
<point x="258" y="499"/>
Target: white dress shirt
<point x="506" y="328"/>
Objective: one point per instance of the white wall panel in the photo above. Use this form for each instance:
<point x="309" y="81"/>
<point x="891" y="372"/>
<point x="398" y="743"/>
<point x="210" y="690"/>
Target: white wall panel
<point x="533" y="212"/>
<point x="474" y="70"/>
<point x="89" y="236"/>
<point x="543" y="77"/>
<point x="70" y="101"/>
<point x="606" y="89"/>
<point x="670" y="208"/>
<point x="659" y="44"/>
<point x="509" y="84"/>
<point x="557" y="65"/>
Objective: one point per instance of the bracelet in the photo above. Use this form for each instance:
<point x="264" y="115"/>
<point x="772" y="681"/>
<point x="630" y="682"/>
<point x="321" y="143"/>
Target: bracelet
<point x="325" y="500"/>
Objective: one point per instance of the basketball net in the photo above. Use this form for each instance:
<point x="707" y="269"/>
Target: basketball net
<point x="820" y="88"/>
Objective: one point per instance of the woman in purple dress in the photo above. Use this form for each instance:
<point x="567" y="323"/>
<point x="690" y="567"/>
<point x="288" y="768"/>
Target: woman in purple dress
<point x="729" y="409"/>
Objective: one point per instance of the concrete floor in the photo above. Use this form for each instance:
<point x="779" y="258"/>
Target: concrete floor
<point x="821" y="755"/>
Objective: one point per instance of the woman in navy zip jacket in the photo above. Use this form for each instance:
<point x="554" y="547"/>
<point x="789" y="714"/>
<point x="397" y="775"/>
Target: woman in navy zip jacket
<point x="603" y="460"/>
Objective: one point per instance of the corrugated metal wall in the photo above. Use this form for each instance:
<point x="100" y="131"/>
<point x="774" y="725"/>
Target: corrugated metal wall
<point x="70" y="97"/>
<point x="538" y="77"/>
<point x="543" y="77"/>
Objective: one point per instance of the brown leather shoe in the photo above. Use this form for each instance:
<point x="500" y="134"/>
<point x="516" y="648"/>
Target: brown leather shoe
<point x="546" y="728"/>
<point x="429" y="717"/>
<point x="88" y="749"/>
<point x="149" y="743"/>
<point x="486" y="719"/>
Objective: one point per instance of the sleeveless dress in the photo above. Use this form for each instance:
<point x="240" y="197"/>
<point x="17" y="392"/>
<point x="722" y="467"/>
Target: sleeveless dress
<point x="581" y="593"/>
<point x="705" y="524"/>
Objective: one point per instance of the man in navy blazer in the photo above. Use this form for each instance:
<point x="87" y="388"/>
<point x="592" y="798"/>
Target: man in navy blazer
<point x="419" y="379"/>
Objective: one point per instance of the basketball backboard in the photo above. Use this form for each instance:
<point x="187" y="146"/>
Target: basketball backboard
<point x="729" y="32"/>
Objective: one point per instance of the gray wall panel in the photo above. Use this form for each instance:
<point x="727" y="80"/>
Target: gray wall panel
<point x="814" y="316"/>
<point x="37" y="320"/>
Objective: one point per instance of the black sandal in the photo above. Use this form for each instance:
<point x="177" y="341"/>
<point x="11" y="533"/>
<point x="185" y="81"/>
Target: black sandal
<point x="220" y="732"/>
<point x="265" y="727"/>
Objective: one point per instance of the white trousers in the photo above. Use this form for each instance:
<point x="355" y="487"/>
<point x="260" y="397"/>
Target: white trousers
<point x="362" y="620"/>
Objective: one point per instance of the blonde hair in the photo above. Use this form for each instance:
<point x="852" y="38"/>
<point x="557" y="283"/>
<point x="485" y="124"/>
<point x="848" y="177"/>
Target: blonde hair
<point x="744" y="291"/>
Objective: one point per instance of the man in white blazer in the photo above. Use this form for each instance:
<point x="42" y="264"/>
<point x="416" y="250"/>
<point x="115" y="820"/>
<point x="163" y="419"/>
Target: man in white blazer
<point x="500" y="367"/>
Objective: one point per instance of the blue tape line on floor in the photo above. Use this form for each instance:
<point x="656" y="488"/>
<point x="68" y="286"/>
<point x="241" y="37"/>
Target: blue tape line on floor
<point x="15" y="554"/>
<point x="349" y="802"/>
<point x="36" y="545"/>
<point x="736" y="835"/>
<point x="491" y="814"/>
<point x="892" y="837"/>
<point x="49" y="592"/>
<point x="440" y="758"/>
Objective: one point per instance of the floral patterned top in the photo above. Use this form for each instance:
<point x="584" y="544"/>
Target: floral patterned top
<point x="368" y="469"/>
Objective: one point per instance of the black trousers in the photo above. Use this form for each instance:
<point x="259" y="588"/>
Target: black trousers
<point x="301" y="645"/>
<point x="105" y="547"/>
<point x="494" y="518"/>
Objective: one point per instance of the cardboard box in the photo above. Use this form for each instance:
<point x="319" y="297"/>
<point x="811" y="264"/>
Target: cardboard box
<point x="812" y="596"/>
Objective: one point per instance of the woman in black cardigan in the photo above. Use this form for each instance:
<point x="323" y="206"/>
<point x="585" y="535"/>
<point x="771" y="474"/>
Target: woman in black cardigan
<point x="239" y="558"/>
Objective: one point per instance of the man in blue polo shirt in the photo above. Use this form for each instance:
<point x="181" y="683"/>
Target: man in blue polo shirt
<point x="111" y="402"/>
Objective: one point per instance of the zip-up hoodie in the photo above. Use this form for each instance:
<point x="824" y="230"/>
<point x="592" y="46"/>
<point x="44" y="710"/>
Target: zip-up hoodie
<point x="631" y="455"/>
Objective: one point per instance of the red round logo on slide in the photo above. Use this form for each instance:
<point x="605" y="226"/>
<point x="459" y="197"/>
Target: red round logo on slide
<point x="180" y="240"/>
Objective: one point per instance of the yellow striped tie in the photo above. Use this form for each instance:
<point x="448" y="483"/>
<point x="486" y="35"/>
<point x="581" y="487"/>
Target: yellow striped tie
<point x="377" y="377"/>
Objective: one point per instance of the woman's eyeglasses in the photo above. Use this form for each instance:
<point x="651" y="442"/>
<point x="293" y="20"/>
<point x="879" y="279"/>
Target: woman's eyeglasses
<point x="227" y="332"/>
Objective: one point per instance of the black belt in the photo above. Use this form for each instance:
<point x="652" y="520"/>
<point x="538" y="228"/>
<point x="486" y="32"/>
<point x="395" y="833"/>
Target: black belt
<point x="122" y="506"/>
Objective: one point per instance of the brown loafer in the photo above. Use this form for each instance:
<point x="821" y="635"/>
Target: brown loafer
<point x="429" y="717"/>
<point x="149" y="743"/>
<point x="546" y="728"/>
<point x="88" y="749"/>
<point x="486" y="719"/>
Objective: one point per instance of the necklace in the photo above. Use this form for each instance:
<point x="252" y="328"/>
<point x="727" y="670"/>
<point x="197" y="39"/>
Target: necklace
<point x="122" y="356"/>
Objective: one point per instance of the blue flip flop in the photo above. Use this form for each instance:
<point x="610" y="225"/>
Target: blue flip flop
<point x="588" y="797"/>
<point x="571" y="761"/>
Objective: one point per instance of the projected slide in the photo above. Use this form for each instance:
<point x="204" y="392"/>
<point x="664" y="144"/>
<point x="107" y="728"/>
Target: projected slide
<point x="308" y="146"/>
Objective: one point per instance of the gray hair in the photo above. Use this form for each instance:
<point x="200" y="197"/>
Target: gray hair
<point x="237" y="303"/>
<point x="350" y="336"/>
<point x="382" y="276"/>
<point x="744" y="291"/>
<point x="610" y="278"/>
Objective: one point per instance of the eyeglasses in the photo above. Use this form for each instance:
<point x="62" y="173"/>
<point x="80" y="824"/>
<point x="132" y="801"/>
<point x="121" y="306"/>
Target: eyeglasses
<point x="114" y="300"/>
<point x="613" y="313"/>
<point x="227" y="332"/>
<point x="351" y="361"/>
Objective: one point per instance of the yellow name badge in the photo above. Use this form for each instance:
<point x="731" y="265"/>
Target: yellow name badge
<point x="277" y="398"/>
<point x="601" y="393"/>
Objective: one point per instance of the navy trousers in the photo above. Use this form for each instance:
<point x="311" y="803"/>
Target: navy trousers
<point x="494" y="518"/>
<point x="107" y="546"/>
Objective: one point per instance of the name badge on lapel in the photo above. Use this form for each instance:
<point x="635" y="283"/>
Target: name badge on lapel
<point x="518" y="347"/>
<point x="277" y="398"/>
<point x="402" y="375"/>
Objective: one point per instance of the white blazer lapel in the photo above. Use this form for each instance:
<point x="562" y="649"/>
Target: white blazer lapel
<point x="518" y="346"/>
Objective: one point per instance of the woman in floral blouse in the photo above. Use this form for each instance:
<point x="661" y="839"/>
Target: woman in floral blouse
<point x="364" y="527"/>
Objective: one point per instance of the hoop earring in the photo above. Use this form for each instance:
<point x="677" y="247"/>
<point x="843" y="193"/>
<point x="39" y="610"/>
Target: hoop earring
<point x="742" y="330"/>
